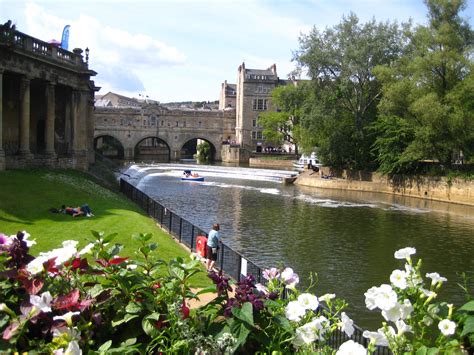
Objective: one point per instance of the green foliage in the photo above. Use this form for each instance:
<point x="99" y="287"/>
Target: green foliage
<point x="203" y="151"/>
<point x="344" y="92"/>
<point x="283" y="125"/>
<point x="428" y="94"/>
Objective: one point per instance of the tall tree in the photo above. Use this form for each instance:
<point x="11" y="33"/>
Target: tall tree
<point x="345" y="92"/>
<point x="426" y="94"/>
<point x="282" y="125"/>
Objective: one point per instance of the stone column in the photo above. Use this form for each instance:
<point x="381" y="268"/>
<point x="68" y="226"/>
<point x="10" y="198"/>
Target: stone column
<point x="50" y="118"/>
<point x="25" y="118"/>
<point x="79" y="129"/>
<point x="2" y="152"/>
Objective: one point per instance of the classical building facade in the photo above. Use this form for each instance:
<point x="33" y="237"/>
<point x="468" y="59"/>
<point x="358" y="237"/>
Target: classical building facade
<point x="46" y="104"/>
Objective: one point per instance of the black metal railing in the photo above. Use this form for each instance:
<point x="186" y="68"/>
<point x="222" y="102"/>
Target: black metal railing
<point x="230" y="262"/>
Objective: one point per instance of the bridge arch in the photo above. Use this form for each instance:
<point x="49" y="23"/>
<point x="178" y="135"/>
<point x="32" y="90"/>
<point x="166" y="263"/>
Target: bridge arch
<point x="109" y="146"/>
<point x="152" y="148"/>
<point x="189" y="147"/>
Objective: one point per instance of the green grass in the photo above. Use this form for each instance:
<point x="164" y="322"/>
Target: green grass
<point x="27" y="196"/>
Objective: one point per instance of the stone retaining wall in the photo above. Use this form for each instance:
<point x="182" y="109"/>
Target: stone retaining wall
<point x="271" y="163"/>
<point x="429" y="188"/>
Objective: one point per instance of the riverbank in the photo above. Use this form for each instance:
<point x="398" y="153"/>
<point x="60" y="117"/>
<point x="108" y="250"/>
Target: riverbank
<point x="27" y="196"/>
<point x="427" y="188"/>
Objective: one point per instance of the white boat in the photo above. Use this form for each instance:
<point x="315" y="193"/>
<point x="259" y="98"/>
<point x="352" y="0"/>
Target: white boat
<point x="305" y="160"/>
<point x="189" y="176"/>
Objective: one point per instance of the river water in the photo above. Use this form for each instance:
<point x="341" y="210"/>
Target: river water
<point x="347" y="238"/>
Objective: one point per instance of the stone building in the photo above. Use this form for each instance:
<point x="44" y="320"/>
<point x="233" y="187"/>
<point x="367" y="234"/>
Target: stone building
<point x="253" y="96"/>
<point x="46" y="104"/>
<point x="227" y="97"/>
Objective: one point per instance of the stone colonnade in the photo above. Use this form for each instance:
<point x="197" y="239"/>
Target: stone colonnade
<point x="78" y="117"/>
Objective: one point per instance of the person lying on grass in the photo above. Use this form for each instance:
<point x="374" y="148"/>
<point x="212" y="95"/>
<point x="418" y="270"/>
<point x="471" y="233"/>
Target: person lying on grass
<point x="83" y="210"/>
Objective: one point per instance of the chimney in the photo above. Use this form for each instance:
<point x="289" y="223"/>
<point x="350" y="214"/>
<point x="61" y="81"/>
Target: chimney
<point x="274" y="69"/>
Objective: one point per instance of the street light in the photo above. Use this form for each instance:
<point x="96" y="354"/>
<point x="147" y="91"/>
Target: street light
<point x="87" y="55"/>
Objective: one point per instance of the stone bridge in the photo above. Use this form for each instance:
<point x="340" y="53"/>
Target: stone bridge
<point x="153" y="132"/>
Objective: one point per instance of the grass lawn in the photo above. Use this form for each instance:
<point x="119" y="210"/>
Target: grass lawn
<point x="27" y="196"/>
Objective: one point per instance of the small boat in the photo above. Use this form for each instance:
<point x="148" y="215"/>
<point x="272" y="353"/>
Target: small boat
<point x="304" y="161"/>
<point x="189" y="176"/>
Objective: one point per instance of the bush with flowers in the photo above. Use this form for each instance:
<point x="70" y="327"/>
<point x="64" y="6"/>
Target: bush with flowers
<point x="70" y="301"/>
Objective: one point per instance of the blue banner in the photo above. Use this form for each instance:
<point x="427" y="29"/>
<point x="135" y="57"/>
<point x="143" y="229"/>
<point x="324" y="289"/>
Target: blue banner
<point x="65" y="38"/>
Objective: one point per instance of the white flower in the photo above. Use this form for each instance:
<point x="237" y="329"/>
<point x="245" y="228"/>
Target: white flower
<point x="132" y="266"/>
<point x="428" y="293"/>
<point x="308" y="301"/>
<point x="71" y="333"/>
<point x="289" y="278"/>
<point x="43" y="302"/>
<point x="26" y="236"/>
<point x="350" y="347"/>
<point x="402" y="327"/>
<point x="393" y="314"/>
<point x="370" y="298"/>
<point x="73" y="349"/>
<point x="294" y="311"/>
<point x="304" y="335"/>
<point x="383" y="297"/>
<point x="86" y="249"/>
<point x="61" y="255"/>
<point x="404" y="253"/>
<point x="36" y="265"/>
<point x="378" y="337"/>
<point x="399" y="279"/>
<point x="435" y="278"/>
<point x="326" y="297"/>
<point x="346" y="324"/>
<point x="318" y="327"/>
<point x="406" y="309"/>
<point x="67" y="317"/>
<point x="447" y="327"/>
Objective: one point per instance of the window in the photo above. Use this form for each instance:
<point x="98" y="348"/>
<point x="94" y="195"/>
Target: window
<point x="260" y="104"/>
<point x="162" y="123"/>
<point x="259" y="135"/>
<point x="184" y="123"/>
<point x="254" y="122"/>
<point x="254" y="135"/>
<point x="177" y="123"/>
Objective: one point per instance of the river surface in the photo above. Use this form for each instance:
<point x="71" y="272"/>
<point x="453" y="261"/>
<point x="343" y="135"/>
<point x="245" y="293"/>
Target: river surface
<point x="347" y="238"/>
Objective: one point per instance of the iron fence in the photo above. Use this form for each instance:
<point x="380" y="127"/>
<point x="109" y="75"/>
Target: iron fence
<point x="230" y="262"/>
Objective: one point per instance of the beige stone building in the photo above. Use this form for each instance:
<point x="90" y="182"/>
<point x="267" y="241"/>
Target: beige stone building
<point x="46" y="104"/>
<point x="252" y="97"/>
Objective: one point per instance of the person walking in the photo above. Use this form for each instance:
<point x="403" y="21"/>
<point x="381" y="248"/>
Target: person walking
<point x="213" y="240"/>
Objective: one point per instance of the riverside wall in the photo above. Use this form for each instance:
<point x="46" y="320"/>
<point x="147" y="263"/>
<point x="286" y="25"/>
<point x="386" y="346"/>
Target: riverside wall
<point x="428" y="188"/>
<point x="271" y="163"/>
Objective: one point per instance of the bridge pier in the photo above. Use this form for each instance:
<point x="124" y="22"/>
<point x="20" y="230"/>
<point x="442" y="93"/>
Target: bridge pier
<point x="175" y="155"/>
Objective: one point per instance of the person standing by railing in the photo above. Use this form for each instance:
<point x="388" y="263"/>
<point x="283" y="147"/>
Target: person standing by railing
<point x="213" y="240"/>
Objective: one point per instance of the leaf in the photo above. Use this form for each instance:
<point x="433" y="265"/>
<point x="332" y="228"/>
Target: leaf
<point x="106" y="346"/>
<point x="133" y="307"/>
<point x="245" y="313"/>
<point x="128" y="317"/>
<point x="468" y="307"/>
<point x="468" y="327"/>
<point x="240" y="331"/>
<point x="421" y="351"/>
<point x="110" y="237"/>
<point x="209" y="289"/>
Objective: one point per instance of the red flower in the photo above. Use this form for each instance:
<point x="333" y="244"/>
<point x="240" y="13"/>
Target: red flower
<point x="156" y="286"/>
<point x="185" y="310"/>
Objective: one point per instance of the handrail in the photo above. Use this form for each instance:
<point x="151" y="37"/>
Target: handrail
<point x="177" y="227"/>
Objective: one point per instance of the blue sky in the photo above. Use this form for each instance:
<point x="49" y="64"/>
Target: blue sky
<point x="180" y="50"/>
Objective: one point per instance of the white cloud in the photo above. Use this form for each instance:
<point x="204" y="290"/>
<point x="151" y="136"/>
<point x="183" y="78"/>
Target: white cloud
<point x="117" y="55"/>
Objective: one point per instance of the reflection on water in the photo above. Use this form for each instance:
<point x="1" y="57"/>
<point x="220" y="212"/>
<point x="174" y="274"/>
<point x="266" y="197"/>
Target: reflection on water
<point x="347" y="238"/>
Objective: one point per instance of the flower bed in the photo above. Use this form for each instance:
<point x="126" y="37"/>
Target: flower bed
<point x="95" y="301"/>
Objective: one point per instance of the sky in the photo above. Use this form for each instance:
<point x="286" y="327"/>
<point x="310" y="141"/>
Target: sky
<point x="183" y="50"/>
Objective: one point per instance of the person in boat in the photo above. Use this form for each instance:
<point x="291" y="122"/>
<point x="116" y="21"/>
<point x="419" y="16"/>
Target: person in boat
<point x="187" y="173"/>
<point x="212" y="245"/>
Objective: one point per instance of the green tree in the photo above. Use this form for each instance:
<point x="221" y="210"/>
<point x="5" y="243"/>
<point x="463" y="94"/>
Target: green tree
<point x="283" y="124"/>
<point x="345" y="92"/>
<point x="427" y="103"/>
